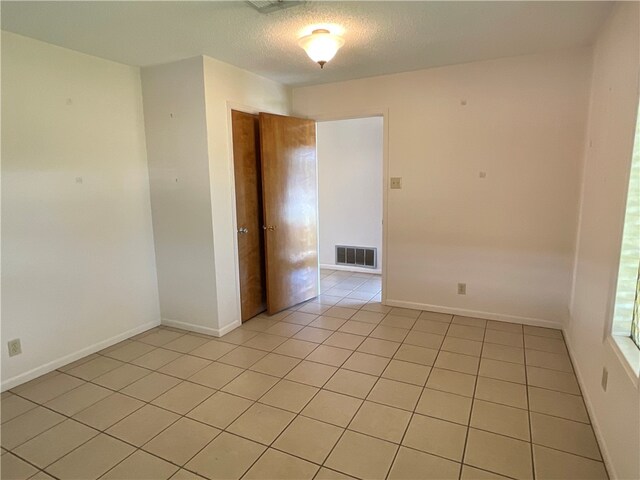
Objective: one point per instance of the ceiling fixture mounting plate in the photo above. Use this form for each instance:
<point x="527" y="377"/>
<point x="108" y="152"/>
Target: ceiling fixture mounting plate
<point x="269" y="6"/>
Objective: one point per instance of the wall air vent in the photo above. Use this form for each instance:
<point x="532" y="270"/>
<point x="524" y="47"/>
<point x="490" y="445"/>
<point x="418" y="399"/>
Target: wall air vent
<point x="357" y="256"/>
<point x="268" y="6"/>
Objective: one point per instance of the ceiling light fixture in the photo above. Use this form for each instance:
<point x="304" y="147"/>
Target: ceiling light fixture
<point x="321" y="45"/>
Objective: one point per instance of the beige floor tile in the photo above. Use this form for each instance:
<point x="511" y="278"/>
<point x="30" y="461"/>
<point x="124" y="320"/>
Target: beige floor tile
<point x="551" y="345"/>
<point x="553" y="361"/>
<point x="452" y="382"/>
<point x="444" y="405"/>
<point x="424" y="339"/>
<point x="151" y="386"/>
<point x="78" y="399"/>
<point x="182" y="440"/>
<point x="351" y="383"/>
<point x="186" y="343"/>
<point x="296" y="348"/>
<point x="414" y="465"/>
<point x="436" y="317"/>
<point x="251" y="385"/>
<point x="109" y="411"/>
<point x="327" y="323"/>
<point x="500" y="454"/>
<point x="543" y="332"/>
<point x="261" y="423"/>
<point x="142" y="425"/>
<point x="375" y="346"/>
<point x="381" y="421"/>
<point x="216" y="375"/>
<point x="504" y="326"/>
<point x="28" y="425"/>
<point x="457" y="362"/>
<point x="328" y="355"/>
<point x="398" y="321"/>
<point x="344" y="340"/>
<point x="54" y="443"/>
<point x="214" y="349"/>
<point x="362" y="456"/>
<point x="553" y="380"/>
<point x="503" y="353"/>
<point x="238" y="336"/>
<point x="558" y="404"/>
<point x="92" y="459"/>
<point x="183" y="474"/>
<point x="13" y="406"/>
<point x="407" y="372"/>
<point x="157" y="358"/>
<point x="275" y="365"/>
<point x="227" y="456"/>
<point x="415" y="354"/>
<point x="242" y="357"/>
<point x="262" y="322"/>
<point x="431" y="326"/>
<point x="94" y="368"/>
<point x="265" y="342"/>
<point x="309" y="439"/>
<point x="465" y="331"/>
<point x="406" y="312"/>
<point x="121" y="377"/>
<point x="340" y="312"/>
<point x="498" y="391"/>
<point x="461" y="345"/>
<point x="313" y="308"/>
<point x="366" y="363"/>
<point x="288" y="395"/>
<point x="436" y="436"/>
<point x="376" y="306"/>
<point x="551" y="464"/>
<point x="496" y="418"/>
<point x="49" y="388"/>
<point x="185" y="366"/>
<point x="472" y="473"/>
<point x="312" y="334"/>
<point x="284" y="329"/>
<point x="141" y="465"/>
<point x="14" y="468"/>
<point x="504" y="338"/>
<point x="352" y="303"/>
<point x="20" y="389"/>
<point x="277" y="465"/>
<point x="183" y="397"/>
<point x="220" y="409"/>
<point x="565" y="435"/>
<point x="469" y="321"/>
<point x="327" y="474"/>
<point x="332" y="407"/>
<point x="160" y="337"/>
<point x="300" y="318"/>
<point x="357" y="328"/>
<point x="510" y="372"/>
<point x="369" y="317"/>
<point x="393" y="334"/>
<point x="395" y="394"/>
<point x="129" y="351"/>
<point x="311" y="373"/>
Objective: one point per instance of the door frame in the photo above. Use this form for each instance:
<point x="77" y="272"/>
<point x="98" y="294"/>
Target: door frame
<point x="368" y="113"/>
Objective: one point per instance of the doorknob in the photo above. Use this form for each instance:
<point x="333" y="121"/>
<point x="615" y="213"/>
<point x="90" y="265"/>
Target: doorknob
<point x="271" y="228"/>
<point x="243" y="230"/>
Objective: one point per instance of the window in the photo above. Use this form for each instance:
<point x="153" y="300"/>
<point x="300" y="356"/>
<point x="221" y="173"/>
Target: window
<point x="625" y="320"/>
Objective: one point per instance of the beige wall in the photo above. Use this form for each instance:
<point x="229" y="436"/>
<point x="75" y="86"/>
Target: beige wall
<point x="509" y="236"/>
<point x="612" y="115"/>
<point x="78" y="268"/>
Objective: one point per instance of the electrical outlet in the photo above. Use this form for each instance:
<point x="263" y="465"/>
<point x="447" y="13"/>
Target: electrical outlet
<point x="396" y="182"/>
<point x="14" y="347"/>
<point x="605" y="378"/>
<point x="462" y="289"/>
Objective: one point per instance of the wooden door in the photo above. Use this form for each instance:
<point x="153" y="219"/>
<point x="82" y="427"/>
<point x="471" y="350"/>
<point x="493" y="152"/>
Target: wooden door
<point x="246" y="163"/>
<point x="290" y="205"/>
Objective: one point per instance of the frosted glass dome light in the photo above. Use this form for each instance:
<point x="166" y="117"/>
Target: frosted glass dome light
<point x="321" y="45"/>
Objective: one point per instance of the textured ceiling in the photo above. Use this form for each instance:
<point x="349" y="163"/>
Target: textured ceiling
<point x="381" y="37"/>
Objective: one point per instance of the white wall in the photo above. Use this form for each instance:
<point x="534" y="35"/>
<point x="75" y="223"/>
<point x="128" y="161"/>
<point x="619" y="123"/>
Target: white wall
<point x="188" y="124"/>
<point x="612" y="115"/>
<point x="78" y="269"/>
<point x="349" y="185"/>
<point x="509" y="236"/>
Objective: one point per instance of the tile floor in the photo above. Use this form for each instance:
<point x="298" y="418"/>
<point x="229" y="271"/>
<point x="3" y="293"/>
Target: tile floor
<point x="340" y="387"/>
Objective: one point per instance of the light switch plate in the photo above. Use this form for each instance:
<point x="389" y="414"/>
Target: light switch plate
<point x="396" y="182"/>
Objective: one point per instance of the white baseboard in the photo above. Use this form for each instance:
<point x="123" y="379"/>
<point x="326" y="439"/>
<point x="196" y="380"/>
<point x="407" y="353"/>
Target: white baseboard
<point x="349" y="268"/>
<point x="72" y="357"/>
<point x="215" y="332"/>
<point x="536" y="322"/>
<point x="606" y="458"/>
